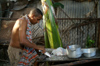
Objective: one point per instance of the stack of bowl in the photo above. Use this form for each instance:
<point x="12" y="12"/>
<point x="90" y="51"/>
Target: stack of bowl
<point x="89" y="52"/>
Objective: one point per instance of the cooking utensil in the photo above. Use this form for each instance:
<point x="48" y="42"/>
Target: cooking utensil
<point x="46" y="53"/>
<point x="89" y="52"/>
<point x="74" y="51"/>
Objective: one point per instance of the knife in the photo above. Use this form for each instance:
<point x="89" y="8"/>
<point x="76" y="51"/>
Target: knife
<point x="46" y="53"/>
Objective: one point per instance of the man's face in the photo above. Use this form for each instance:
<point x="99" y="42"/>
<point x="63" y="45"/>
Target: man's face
<point x="36" y="19"/>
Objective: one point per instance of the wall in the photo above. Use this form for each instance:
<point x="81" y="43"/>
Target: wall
<point x="73" y="9"/>
<point x="5" y="31"/>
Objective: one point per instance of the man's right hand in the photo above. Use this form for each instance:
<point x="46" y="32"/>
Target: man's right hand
<point x="41" y="48"/>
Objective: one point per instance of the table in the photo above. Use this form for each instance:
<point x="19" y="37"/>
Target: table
<point x="64" y="60"/>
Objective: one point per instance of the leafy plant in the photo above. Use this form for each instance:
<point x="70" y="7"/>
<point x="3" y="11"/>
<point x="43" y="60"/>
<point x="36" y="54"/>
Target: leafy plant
<point x="89" y="42"/>
<point x="51" y="33"/>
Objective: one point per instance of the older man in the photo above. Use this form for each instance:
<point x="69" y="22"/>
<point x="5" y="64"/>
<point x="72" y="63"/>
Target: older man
<point x="22" y="36"/>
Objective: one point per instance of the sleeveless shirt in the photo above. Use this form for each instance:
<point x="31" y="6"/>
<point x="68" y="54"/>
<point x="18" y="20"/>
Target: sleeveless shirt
<point x="29" y="54"/>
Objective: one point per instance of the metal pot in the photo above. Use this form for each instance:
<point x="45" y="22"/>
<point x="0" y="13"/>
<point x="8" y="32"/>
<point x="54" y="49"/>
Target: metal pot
<point x="74" y="51"/>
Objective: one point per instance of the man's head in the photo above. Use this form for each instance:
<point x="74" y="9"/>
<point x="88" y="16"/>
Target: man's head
<point x="35" y="15"/>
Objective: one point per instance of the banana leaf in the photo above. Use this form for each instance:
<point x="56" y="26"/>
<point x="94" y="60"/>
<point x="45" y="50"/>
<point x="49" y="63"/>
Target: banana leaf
<point x="47" y="45"/>
<point x="52" y="36"/>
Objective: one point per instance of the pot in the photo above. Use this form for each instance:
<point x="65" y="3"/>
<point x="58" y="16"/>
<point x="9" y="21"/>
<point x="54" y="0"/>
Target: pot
<point x="74" y="51"/>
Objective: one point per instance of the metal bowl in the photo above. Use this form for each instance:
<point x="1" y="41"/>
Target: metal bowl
<point x="74" y="51"/>
<point x="89" y="52"/>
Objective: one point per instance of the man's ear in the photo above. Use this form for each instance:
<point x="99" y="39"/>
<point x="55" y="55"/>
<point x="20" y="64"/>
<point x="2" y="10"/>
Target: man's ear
<point x="33" y="16"/>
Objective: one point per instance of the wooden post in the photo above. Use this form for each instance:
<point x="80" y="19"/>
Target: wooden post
<point x="98" y="28"/>
<point x="98" y="35"/>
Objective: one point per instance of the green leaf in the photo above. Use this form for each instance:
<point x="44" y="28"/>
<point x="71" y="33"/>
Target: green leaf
<point x="89" y="42"/>
<point x="53" y="36"/>
<point x="47" y="44"/>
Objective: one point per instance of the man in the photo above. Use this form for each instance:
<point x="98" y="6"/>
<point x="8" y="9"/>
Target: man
<point x="22" y="36"/>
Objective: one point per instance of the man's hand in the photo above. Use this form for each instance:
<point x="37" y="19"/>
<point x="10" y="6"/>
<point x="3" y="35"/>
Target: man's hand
<point x="41" y="48"/>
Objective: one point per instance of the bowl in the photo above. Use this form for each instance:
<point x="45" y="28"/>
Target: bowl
<point x="89" y="52"/>
<point x="74" y="51"/>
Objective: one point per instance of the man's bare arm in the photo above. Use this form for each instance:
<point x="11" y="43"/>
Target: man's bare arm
<point x="22" y="35"/>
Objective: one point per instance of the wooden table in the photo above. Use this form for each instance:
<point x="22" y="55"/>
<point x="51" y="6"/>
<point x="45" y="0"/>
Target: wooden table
<point x="65" y="61"/>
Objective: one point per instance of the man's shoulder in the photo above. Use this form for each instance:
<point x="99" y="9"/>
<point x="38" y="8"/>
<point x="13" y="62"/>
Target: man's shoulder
<point x="22" y="19"/>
